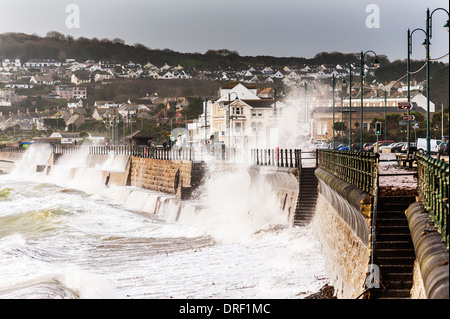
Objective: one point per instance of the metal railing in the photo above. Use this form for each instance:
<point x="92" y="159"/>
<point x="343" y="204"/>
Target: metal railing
<point x="12" y="149"/>
<point x="145" y="152"/>
<point x="356" y="168"/>
<point x="433" y="189"/>
<point x="277" y="157"/>
<point x="223" y="154"/>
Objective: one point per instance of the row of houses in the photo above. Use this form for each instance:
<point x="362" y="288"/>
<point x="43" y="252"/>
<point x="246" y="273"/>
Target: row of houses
<point x="50" y="72"/>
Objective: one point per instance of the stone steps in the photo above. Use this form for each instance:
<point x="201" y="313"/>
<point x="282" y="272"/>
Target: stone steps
<point x="307" y="197"/>
<point x="394" y="251"/>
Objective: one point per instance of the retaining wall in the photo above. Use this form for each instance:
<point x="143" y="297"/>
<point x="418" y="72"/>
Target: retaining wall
<point x="341" y="223"/>
<point x="167" y="176"/>
<point x="285" y="184"/>
<point x="7" y="161"/>
<point x="431" y="269"/>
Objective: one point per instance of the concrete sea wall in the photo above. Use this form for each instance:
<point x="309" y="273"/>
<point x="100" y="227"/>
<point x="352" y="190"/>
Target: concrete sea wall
<point x="285" y="184"/>
<point x="341" y="224"/>
<point x="431" y="269"/>
<point x="8" y="160"/>
<point x="167" y="176"/>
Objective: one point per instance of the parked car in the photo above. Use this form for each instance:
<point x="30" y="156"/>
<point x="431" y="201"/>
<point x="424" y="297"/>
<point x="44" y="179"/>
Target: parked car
<point x="382" y="143"/>
<point x="412" y="147"/>
<point x="381" y="147"/>
<point x="369" y="148"/>
<point x="393" y="147"/>
<point x="443" y="149"/>
<point x="336" y="145"/>
<point x="422" y="145"/>
<point x="320" y="144"/>
<point x="343" y="148"/>
<point x="396" y="147"/>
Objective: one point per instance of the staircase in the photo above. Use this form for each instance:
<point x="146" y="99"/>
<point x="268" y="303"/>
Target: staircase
<point x="394" y="250"/>
<point x="307" y="197"/>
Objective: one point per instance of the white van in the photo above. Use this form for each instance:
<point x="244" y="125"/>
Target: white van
<point x="422" y="145"/>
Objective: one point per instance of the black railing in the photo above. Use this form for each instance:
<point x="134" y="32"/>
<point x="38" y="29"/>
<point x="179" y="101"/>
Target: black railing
<point x="433" y="188"/>
<point x="144" y="152"/>
<point x="174" y="153"/>
<point x="277" y="157"/>
<point x="356" y="168"/>
<point x="12" y="149"/>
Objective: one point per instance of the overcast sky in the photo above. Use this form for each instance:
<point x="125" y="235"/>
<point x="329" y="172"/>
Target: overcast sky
<point x="281" y="28"/>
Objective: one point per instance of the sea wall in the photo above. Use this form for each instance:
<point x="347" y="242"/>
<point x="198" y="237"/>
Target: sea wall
<point x="8" y="160"/>
<point x="177" y="177"/>
<point x="283" y="181"/>
<point x="431" y="268"/>
<point x="341" y="224"/>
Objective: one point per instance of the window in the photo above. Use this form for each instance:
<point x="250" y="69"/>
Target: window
<point x="237" y="127"/>
<point x="253" y="113"/>
<point x="366" y="126"/>
<point x="238" y="110"/>
<point x="259" y="113"/>
<point x="321" y="128"/>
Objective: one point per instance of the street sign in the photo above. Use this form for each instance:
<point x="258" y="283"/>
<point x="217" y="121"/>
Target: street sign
<point x="404" y="105"/>
<point x="406" y="122"/>
<point x="416" y="126"/>
<point x="408" y="118"/>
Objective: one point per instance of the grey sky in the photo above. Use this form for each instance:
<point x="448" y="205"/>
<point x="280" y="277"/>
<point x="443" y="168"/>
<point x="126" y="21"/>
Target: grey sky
<point x="251" y="27"/>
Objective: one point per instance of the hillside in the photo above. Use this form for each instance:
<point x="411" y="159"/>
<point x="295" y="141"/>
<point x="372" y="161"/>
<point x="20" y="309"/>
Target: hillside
<point x="57" y="46"/>
<point x="60" y="47"/>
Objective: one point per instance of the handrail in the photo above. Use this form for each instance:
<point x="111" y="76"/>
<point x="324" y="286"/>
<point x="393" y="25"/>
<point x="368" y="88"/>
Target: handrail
<point x="277" y="157"/>
<point x="356" y="168"/>
<point x="375" y="280"/>
<point x="433" y="188"/>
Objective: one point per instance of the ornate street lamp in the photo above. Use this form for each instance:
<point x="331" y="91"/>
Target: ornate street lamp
<point x="229" y="116"/>
<point x="333" y="83"/>
<point x="408" y="67"/>
<point x="376" y="64"/>
<point x="427" y="46"/>
<point x="350" y="107"/>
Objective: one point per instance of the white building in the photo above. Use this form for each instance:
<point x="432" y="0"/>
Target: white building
<point x="40" y="63"/>
<point x="11" y="64"/>
<point x="239" y="118"/>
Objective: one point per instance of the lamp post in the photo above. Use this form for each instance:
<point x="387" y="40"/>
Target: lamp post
<point x="206" y="119"/>
<point x="350" y="107"/>
<point x="275" y="103"/>
<point x="342" y="120"/>
<point x="408" y="70"/>
<point x="229" y="116"/>
<point x="376" y="63"/>
<point x="306" y="107"/>
<point x="306" y="98"/>
<point x="333" y="84"/>
<point x="385" y="115"/>
<point x="427" y="46"/>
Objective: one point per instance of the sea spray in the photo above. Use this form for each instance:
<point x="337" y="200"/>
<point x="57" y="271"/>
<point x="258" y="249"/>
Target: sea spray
<point x="26" y="167"/>
<point x="231" y="241"/>
<point x="85" y="285"/>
